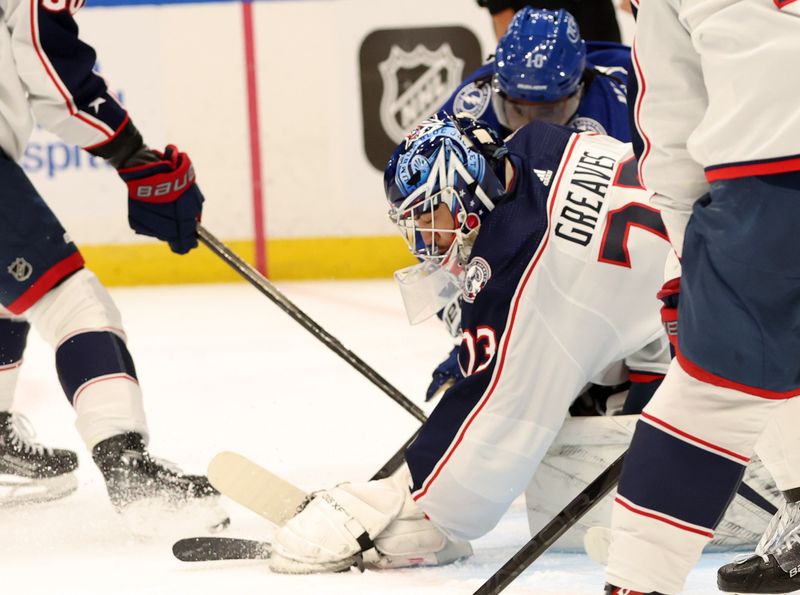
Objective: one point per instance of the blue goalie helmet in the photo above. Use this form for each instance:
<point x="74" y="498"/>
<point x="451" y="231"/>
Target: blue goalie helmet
<point x="441" y="181"/>
<point x="539" y="60"/>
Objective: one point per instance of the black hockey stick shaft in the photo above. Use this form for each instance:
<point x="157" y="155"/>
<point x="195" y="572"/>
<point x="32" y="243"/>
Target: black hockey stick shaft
<point x="398" y="458"/>
<point x="538" y="544"/>
<point x="273" y="293"/>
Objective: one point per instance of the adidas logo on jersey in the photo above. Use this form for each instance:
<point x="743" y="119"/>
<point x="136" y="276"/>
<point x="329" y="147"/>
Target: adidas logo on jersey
<point x="545" y="175"/>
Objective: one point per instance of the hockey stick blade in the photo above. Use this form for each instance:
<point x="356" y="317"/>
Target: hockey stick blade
<point x="538" y="544"/>
<point x="207" y="549"/>
<point x="254" y="487"/>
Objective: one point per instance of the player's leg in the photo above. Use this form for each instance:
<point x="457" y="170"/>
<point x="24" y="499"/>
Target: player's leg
<point x="75" y="314"/>
<point x="686" y="458"/>
<point x="773" y="566"/>
<point x="29" y="471"/>
<point x="734" y="262"/>
<point x="738" y="310"/>
<point x="738" y="307"/>
<point x="79" y="319"/>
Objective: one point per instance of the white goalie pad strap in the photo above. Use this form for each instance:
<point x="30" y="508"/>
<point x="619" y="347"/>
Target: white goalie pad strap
<point x="79" y="304"/>
<point x="359" y="534"/>
<point x="108" y="407"/>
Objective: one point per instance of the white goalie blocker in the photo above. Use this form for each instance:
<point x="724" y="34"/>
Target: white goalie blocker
<point x="585" y="447"/>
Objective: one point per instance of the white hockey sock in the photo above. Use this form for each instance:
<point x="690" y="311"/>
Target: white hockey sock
<point x="108" y="407"/>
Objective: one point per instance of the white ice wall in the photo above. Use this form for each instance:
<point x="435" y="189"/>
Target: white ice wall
<point x="180" y="69"/>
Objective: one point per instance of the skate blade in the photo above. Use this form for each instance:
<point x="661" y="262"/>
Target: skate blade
<point x="154" y="517"/>
<point x="20" y="491"/>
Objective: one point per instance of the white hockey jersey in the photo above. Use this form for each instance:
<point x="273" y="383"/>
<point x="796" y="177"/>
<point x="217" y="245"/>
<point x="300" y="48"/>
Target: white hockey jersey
<point x="46" y="72"/>
<point x="704" y="70"/>
<point x="561" y="283"/>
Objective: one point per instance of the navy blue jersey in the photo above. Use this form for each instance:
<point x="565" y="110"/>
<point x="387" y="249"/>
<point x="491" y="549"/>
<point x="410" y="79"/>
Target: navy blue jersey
<point x="561" y="282"/>
<point x="37" y="253"/>
<point x="602" y="109"/>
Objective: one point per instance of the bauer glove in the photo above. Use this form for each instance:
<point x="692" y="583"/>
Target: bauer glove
<point x="163" y="200"/>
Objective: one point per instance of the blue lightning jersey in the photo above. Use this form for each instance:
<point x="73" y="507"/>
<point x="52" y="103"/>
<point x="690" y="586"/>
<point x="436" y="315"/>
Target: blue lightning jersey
<point x="561" y="282"/>
<point x="602" y="109"/>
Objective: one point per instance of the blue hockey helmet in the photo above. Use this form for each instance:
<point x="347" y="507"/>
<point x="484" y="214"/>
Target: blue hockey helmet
<point x="538" y="67"/>
<point x="441" y="181"/>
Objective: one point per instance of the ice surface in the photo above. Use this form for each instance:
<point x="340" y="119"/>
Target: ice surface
<point x="223" y="369"/>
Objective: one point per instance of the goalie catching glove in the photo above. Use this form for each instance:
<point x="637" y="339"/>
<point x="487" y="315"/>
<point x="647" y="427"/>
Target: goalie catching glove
<point x="376" y="522"/>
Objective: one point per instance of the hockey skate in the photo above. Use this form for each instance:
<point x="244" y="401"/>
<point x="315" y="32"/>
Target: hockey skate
<point x="142" y="488"/>
<point x="775" y="565"/>
<point x="29" y="471"/>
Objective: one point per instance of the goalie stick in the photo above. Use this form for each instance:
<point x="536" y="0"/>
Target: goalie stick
<point x="255" y="488"/>
<point x="258" y="490"/>
<point x="207" y="549"/>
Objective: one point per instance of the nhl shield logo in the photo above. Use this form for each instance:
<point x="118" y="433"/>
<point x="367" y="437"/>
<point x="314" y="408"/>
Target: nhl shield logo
<point x="416" y="84"/>
<point x="407" y="75"/>
<point x="20" y="269"/>
<point x="476" y="275"/>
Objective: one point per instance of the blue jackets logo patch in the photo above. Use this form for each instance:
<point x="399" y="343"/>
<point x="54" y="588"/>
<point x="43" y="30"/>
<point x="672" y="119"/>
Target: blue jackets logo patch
<point x="476" y="276"/>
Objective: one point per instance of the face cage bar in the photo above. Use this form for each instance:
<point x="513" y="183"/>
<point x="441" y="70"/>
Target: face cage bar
<point x="406" y="221"/>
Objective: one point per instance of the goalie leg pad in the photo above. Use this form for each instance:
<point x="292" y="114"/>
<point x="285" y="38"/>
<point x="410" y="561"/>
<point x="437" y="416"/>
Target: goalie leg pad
<point x="335" y="527"/>
<point x="376" y="517"/>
